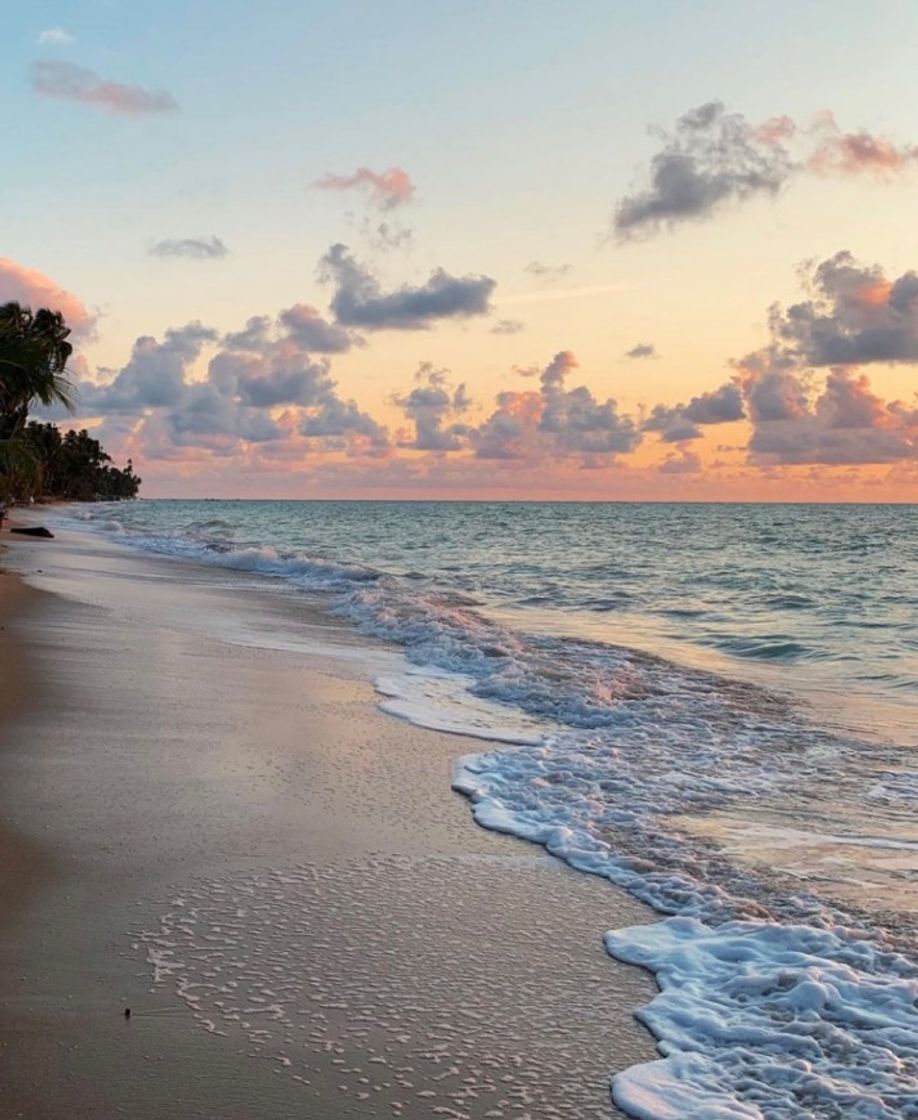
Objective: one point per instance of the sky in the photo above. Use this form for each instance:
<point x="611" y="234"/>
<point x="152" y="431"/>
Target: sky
<point x="508" y="249"/>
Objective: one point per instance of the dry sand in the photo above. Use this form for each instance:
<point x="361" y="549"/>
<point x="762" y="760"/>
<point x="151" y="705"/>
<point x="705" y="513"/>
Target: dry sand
<point x="332" y="936"/>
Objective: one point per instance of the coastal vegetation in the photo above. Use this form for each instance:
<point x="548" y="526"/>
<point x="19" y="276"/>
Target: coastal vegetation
<point x="36" y="461"/>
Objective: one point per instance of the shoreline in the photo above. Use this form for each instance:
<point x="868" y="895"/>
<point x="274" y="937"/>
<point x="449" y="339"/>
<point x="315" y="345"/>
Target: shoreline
<point x="163" y="764"/>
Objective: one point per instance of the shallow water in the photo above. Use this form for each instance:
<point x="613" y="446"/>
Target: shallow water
<point x="712" y="706"/>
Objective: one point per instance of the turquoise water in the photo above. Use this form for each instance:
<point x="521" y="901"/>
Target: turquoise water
<point x="819" y="598"/>
<point x="712" y="706"/>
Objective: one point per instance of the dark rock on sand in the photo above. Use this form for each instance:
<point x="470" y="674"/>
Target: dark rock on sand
<point x="34" y="531"/>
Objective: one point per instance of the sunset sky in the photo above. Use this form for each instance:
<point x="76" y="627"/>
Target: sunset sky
<point x="506" y="249"/>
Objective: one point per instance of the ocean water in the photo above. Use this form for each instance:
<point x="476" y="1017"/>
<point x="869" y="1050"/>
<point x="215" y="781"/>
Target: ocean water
<point x="712" y="706"/>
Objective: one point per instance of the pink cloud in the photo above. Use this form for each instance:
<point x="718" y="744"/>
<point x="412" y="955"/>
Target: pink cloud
<point x="74" y="83"/>
<point x="387" y="189"/>
<point x="33" y="289"/>
<point x="851" y="153"/>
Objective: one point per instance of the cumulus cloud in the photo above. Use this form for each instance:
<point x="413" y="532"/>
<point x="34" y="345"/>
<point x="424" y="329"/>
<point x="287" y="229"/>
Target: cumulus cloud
<point x="713" y="158"/>
<point x="194" y="248"/>
<point x="269" y="386"/>
<point x="772" y="389"/>
<point x="511" y="431"/>
<point x="577" y="420"/>
<point x="642" y="350"/>
<point x="255" y="335"/>
<point x="33" y="289"/>
<point x="430" y="404"/>
<point x="74" y="83"/>
<point x="846" y="423"/>
<point x="384" y="189"/>
<point x="854" y="316"/>
<point x="310" y="331"/>
<point x="55" y="36"/>
<point x="719" y="406"/>
<point x="261" y="386"/>
<point x="682" y="422"/>
<point x="672" y="424"/>
<point x="555" y="421"/>
<point x="340" y="419"/>
<point x="204" y="416"/>
<point x="286" y="379"/>
<point x="154" y="377"/>
<point x="358" y="300"/>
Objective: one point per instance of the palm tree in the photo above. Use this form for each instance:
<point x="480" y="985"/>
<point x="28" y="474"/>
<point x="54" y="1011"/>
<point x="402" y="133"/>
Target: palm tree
<point x="20" y="470"/>
<point x="34" y="352"/>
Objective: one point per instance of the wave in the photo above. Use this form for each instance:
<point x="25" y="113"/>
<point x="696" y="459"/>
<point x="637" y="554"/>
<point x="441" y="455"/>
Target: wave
<point x="776" y="1001"/>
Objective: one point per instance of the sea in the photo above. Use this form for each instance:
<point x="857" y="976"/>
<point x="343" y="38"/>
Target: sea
<point x="713" y="706"/>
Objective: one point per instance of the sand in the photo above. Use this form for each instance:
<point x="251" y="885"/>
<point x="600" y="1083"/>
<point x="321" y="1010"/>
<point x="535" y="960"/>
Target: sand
<point x="331" y="935"/>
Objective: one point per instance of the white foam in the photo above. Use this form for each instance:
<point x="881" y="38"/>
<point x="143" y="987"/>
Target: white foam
<point x="756" y="1019"/>
<point x="443" y="701"/>
<point x="765" y="1020"/>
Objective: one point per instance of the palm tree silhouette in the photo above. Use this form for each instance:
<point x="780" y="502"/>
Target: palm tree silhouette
<point x="34" y="352"/>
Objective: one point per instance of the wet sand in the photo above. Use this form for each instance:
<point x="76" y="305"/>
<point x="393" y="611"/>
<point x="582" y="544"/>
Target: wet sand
<point x="275" y="877"/>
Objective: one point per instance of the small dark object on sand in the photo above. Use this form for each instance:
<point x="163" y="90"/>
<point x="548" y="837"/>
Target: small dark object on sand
<point x="35" y="531"/>
<point x="127" y="1013"/>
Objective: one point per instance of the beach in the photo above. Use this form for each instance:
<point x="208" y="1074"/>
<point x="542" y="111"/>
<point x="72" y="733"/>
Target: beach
<point x="274" y="876"/>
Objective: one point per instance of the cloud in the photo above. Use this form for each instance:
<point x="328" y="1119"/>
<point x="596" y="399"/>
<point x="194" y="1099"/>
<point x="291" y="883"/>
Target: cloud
<point x="854" y="153"/>
<point x="73" y="83"/>
<point x="358" y="300"/>
<point x="547" y="272"/>
<point x="267" y="395"/>
<point x="553" y="375"/>
<point x="336" y="418"/>
<point x="508" y="326"/>
<point x="286" y="379"/>
<point x="194" y="248"/>
<point x="55" y="36"/>
<point x="33" y="289"/>
<point x="555" y="421"/>
<point x="154" y="377"/>
<point x="254" y="336"/>
<point x="429" y="405"/>
<point x="712" y="158"/>
<point x="682" y="422"/>
<point x="642" y="350"/>
<point x="310" y="331"/>
<point x="686" y="462"/>
<point x="205" y="416"/>
<point x="261" y="387"/>
<point x="772" y="390"/>
<point x="846" y="423"/>
<point x="855" y="316"/>
<point x="512" y="430"/>
<point x="672" y="424"/>
<point x="719" y="406"/>
<point x="301" y="325"/>
<point x="385" y="189"/>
